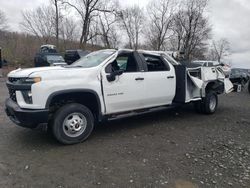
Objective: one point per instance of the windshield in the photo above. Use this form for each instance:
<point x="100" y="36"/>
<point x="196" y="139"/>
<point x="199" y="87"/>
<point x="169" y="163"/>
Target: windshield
<point x="54" y="58"/>
<point x="93" y="59"/>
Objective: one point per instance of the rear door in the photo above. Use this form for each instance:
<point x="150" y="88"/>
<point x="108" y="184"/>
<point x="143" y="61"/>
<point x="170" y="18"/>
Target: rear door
<point x="126" y="92"/>
<point x="160" y="81"/>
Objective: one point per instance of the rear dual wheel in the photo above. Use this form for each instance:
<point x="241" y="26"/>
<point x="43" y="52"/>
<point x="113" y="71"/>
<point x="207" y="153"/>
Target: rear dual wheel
<point x="208" y="104"/>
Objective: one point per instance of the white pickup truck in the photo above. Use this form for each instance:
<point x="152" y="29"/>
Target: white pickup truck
<point x="106" y="84"/>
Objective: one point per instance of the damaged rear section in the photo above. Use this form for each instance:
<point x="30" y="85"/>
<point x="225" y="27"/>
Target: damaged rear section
<point x="194" y="83"/>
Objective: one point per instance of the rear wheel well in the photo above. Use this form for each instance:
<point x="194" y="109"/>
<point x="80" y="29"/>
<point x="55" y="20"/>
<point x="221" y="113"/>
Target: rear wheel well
<point x="87" y="99"/>
<point x="215" y="86"/>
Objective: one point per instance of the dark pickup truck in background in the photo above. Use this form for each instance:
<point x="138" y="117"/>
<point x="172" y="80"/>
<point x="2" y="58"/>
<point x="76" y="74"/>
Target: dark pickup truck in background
<point x="239" y="78"/>
<point x="71" y="56"/>
<point x="48" y="56"/>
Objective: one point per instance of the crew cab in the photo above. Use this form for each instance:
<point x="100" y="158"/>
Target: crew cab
<point x="107" y="84"/>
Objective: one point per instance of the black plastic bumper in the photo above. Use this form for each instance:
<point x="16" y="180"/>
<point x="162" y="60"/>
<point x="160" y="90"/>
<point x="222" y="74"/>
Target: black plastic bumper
<point x="24" y="117"/>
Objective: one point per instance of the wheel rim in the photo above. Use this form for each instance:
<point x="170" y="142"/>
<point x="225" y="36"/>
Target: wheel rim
<point x="74" y="124"/>
<point x="213" y="102"/>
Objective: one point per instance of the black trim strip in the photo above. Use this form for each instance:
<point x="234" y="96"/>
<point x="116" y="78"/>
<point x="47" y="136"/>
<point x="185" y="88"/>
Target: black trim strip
<point x="103" y="93"/>
<point x="29" y="118"/>
<point x="18" y="86"/>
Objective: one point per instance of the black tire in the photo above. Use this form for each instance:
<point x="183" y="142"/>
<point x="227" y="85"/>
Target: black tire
<point x="249" y="86"/>
<point x="197" y="106"/>
<point x="59" y="129"/>
<point x="208" y="104"/>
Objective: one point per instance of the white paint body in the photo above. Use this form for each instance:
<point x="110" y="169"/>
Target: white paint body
<point x="121" y="95"/>
<point x="125" y="93"/>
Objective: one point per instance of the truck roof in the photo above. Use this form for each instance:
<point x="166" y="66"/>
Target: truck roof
<point x="156" y="53"/>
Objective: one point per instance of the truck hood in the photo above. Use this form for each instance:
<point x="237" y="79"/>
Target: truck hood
<point x="20" y="73"/>
<point x="55" y="73"/>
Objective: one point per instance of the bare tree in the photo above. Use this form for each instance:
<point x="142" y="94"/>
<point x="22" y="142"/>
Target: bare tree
<point x="68" y="29"/>
<point x="220" y="49"/>
<point x="3" y="21"/>
<point x="86" y="9"/>
<point x="107" y="21"/>
<point x="68" y="32"/>
<point x="191" y="27"/>
<point x="94" y="32"/>
<point x="39" y="22"/>
<point x="160" y="22"/>
<point x="132" y="19"/>
<point x="57" y="15"/>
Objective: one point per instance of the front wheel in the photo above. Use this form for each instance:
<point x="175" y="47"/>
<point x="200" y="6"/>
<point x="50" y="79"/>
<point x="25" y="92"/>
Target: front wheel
<point x="73" y="123"/>
<point x="208" y="104"/>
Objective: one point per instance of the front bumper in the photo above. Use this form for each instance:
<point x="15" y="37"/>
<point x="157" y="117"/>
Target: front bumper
<point x="29" y="118"/>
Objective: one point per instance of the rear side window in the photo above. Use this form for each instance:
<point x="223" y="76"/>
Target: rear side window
<point x="155" y="63"/>
<point x="210" y="64"/>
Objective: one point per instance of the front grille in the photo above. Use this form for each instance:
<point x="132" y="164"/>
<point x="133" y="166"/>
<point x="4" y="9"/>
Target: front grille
<point x="16" y="84"/>
<point x="12" y="90"/>
<point x="12" y="80"/>
<point x="12" y="94"/>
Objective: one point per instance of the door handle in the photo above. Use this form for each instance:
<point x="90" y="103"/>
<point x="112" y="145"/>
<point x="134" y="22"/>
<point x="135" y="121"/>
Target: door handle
<point x="139" y="78"/>
<point x="170" y="77"/>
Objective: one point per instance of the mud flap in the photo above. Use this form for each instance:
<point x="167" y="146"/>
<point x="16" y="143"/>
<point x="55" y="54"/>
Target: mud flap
<point x="228" y="86"/>
<point x="237" y="88"/>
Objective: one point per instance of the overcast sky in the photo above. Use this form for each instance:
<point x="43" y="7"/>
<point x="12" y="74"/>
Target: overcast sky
<point x="229" y="18"/>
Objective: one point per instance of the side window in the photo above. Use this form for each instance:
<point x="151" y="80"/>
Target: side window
<point x="210" y="64"/>
<point x="122" y="62"/>
<point x="155" y="63"/>
<point x="125" y="62"/>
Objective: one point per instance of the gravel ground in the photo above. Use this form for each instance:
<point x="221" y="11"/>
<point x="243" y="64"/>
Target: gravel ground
<point x="175" y="148"/>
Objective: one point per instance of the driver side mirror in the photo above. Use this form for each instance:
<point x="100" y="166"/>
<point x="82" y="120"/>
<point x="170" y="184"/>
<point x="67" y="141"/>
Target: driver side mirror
<point x="112" y="75"/>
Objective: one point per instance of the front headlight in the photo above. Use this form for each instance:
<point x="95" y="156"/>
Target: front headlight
<point x="32" y="80"/>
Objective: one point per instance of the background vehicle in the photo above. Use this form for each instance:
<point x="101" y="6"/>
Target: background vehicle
<point x="226" y="68"/>
<point x="239" y="78"/>
<point x="48" y="56"/>
<point x="49" y="59"/>
<point x="107" y="84"/>
<point x="71" y="56"/>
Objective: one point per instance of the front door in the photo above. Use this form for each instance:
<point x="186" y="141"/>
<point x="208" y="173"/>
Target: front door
<point x="126" y="91"/>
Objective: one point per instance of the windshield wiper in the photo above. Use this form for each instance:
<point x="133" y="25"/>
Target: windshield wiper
<point x="73" y="66"/>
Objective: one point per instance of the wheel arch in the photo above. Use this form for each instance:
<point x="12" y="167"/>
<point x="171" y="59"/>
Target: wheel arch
<point x="216" y="86"/>
<point x="87" y="97"/>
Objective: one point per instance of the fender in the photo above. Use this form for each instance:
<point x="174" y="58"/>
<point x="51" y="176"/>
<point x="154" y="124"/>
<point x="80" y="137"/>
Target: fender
<point x="68" y="91"/>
